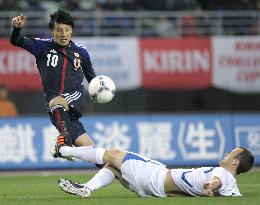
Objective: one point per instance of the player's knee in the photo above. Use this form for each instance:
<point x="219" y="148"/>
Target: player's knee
<point x="112" y="155"/>
<point x="58" y="100"/>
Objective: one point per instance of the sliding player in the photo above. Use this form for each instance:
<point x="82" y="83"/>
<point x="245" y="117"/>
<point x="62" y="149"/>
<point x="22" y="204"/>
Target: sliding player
<point x="147" y="177"/>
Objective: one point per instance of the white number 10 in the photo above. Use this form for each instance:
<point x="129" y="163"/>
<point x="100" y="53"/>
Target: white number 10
<point x="53" y="59"/>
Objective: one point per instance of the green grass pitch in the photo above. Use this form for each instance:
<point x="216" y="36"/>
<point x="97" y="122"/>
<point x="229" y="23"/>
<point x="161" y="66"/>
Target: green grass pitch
<point x="43" y="190"/>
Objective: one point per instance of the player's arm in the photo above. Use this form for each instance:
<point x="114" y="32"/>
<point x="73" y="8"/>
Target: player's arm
<point x="89" y="73"/>
<point x="211" y="188"/>
<point x="87" y="68"/>
<point x="17" y="39"/>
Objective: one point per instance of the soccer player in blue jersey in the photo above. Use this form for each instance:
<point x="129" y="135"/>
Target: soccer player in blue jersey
<point x="148" y="177"/>
<point x="62" y="64"/>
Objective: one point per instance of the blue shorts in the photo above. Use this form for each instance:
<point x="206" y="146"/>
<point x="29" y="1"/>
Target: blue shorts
<point x="77" y="104"/>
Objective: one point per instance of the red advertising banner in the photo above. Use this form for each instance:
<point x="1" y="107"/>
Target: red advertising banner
<point x="176" y="63"/>
<point x="182" y="63"/>
<point x="18" y="69"/>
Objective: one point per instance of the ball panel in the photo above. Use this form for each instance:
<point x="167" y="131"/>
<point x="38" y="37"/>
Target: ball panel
<point x="102" y="89"/>
<point x="104" y="97"/>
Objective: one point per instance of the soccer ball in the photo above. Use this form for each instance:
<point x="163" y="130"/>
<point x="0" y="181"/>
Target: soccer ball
<point x="101" y="89"/>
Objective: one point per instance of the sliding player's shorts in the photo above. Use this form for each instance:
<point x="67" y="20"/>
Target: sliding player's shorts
<point x="145" y="176"/>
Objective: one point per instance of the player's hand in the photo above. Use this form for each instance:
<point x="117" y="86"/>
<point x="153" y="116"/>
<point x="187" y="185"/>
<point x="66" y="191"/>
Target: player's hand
<point x="18" y="21"/>
<point x="207" y="188"/>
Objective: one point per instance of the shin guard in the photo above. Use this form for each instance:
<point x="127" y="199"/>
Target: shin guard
<point x="62" y="122"/>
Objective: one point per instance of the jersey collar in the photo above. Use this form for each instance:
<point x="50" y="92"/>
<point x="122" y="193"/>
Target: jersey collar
<point x="71" y="43"/>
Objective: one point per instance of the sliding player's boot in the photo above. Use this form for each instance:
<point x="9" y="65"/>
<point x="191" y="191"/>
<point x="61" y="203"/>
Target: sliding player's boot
<point x="75" y="188"/>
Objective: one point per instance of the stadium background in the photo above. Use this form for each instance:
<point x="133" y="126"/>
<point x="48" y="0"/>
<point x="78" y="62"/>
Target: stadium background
<point x="162" y="113"/>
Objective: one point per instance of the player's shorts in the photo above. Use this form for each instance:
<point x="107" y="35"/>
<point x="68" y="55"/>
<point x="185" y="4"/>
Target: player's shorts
<point x="145" y="176"/>
<point x="77" y="104"/>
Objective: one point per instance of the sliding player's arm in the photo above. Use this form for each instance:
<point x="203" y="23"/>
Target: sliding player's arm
<point x="211" y="188"/>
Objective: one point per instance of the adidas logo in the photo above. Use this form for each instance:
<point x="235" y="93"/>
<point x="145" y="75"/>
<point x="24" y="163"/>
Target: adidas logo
<point x="53" y="51"/>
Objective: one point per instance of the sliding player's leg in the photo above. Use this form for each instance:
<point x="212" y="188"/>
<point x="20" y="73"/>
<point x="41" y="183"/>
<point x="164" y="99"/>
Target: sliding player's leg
<point x="103" y="178"/>
<point x="94" y="154"/>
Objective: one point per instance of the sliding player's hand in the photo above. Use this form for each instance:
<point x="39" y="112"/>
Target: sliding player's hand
<point x="207" y="187"/>
<point x="18" y="21"/>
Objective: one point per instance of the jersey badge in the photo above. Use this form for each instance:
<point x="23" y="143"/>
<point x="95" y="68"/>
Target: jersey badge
<point x="76" y="61"/>
<point x="53" y="51"/>
<point x="77" y="64"/>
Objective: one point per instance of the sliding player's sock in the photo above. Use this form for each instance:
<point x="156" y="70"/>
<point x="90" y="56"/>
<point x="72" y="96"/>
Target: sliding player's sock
<point x="86" y="153"/>
<point x="103" y="178"/>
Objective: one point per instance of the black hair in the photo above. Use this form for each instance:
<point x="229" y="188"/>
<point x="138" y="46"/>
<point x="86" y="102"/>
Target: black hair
<point x="246" y="160"/>
<point x="60" y="16"/>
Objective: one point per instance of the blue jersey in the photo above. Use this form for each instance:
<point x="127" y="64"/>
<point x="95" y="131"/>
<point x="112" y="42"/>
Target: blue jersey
<point x="62" y="69"/>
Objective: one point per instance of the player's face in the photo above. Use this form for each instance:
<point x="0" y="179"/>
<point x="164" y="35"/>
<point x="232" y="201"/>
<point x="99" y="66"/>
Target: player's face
<point x="229" y="157"/>
<point x="62" y="33"/>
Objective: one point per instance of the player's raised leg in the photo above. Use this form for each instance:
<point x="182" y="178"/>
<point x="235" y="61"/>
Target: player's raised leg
<point x="59" y="108"/>
<point x="94" y="154"/>
<point x="83" y="140"/>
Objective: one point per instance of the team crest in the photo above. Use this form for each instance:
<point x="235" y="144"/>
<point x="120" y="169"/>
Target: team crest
<point x="77" y="64"/>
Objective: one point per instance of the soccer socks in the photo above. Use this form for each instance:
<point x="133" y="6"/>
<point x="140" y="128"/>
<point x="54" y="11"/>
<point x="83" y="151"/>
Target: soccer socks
<point x="103" y="178"/>
<point x="87" y="153"/>
<point x="94" y="155"/>
<point x="62" y="121"/>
